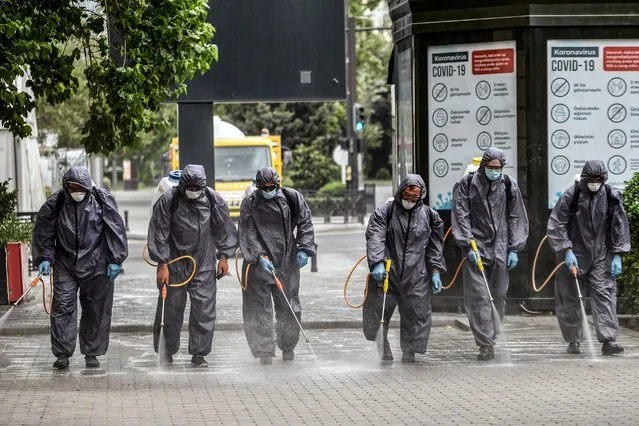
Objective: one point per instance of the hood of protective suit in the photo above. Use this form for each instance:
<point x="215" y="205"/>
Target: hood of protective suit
<point x="489" y="155"/>
<point x="79" y="175"/>
<point x="594" y="169"/>
<point x="267" y="174"/>
<point x="192" y="175"/>
<point x="411" y="180"/>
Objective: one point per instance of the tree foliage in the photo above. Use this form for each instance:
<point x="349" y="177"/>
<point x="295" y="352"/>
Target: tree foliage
<point x="163" y="43"/>
<point x="629" y="279"/>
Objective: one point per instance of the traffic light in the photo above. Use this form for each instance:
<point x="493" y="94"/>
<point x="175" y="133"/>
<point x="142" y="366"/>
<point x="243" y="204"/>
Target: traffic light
<point x="359" y="118"/>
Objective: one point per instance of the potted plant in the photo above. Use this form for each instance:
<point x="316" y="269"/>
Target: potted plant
<point x="12" y="230"/>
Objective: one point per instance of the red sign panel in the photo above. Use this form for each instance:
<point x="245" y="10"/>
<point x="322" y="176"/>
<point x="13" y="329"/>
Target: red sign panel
<point x="622" y="58"/>
<point x="494" y="61"/>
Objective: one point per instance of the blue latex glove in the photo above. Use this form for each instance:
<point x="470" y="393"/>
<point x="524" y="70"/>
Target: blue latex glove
<point x="615" y="269"/>
<point x="437" y="282"/>
<point x="44" y="267"/>
<point x="267" y="265"/>
<point x="513" y="260"/>
<point x="570" y="260"/>
<point x="379" y="272"/>
<point x="113" y="271"/>
<point x="302" y="259"/>
<point x="472" y="257"/>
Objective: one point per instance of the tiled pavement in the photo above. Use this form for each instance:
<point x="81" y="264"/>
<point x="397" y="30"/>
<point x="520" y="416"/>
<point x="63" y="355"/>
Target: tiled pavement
<point x="533" y="382"/>
<point x="344" y="384"/>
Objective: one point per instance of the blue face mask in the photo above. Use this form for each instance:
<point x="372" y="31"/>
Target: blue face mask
<point x="270" y="194"/>
<point x="493" y="174"/>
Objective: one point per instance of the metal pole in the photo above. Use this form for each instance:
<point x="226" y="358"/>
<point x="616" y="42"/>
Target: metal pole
<point x="314" y="261"/>
<point x="126" y="220"/>
<point x="351" y="97"/>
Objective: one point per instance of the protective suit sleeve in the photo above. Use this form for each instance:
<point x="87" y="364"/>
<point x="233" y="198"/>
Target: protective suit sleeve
<point x="224" y="232"/>
<point x="250" y="242"/>
<point x="160" y="229"/>
<point x="305" y="234"/>
<point x="44" y="232"/>
<point x="460" y="217"/>
<point x="619" y="227"/>
<point x="557" y="229"/>
<point x="517" y="219"/>
<point x="435" y="246"/>
<point x="115" y="232"/>
<point x="376" y="236"/>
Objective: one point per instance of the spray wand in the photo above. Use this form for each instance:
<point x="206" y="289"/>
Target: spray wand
<point x="480" y="266"/>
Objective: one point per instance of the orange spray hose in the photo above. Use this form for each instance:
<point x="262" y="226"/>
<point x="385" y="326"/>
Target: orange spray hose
<point x="368" y="276"/>
<point x="534" y="268"/>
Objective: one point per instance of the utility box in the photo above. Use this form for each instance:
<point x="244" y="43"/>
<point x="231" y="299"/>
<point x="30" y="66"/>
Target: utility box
<point x="14" y="272"/>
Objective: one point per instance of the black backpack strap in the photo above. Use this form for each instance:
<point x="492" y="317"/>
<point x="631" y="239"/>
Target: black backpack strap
<point x="175" y="201"/>
<point x="209" y="196"/>
<point x="574" y="203"/>
<point x="291" y="204"/>
<point x="98" y="196"/>
<point x="389" y="212"/>
<point x="509" y="186"/>
<point x="612" y="201"/>
<point x="59" y="202"/>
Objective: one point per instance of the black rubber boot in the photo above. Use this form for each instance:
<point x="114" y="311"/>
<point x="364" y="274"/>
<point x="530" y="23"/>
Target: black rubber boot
<point x="408" y="357"/>
<point x="91" y="361"/>
<point x="267" y="359"/>
<point x="62" y="363"/>
<point x="573" y="348"/>
<point x="486" y="353"/>
<point x="288" y="355"/>
<point x="199" y="361"/>
<point x="388" y="354"/>
<point x="611" y="348"/>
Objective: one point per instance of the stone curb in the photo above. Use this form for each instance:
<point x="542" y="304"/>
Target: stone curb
<point x="224" y="326"/>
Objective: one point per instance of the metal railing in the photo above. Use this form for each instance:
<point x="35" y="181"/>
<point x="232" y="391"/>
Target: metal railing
<point x="353" y="206"/>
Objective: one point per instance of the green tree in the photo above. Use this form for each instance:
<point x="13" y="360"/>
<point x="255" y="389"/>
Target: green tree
<point x="147" y="153"/>
<point x="313" y="167"/>
<point x="162" y="45"/>
<point x="67" y="118"/>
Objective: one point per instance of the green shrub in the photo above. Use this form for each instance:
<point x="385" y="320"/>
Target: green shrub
<point x="629" y="279"/>
<point x="332" y="187"/>
<point x="11" y="228"/>
<point x="287" y="182"/>
<point x="383" y="174"/>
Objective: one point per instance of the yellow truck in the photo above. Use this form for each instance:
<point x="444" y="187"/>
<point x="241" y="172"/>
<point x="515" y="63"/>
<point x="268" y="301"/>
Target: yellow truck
<point x="236" y="161"/>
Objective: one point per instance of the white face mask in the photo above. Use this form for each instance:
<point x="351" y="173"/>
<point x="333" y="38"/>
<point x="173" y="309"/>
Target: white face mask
<point x="78" y="196"/>
<point x="408" y="205"/>
<point x="594" y="187"/>
<point x="192" y="195"/>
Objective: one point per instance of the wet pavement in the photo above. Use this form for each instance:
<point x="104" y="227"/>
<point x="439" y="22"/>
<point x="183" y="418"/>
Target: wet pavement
<point x="343" y="384"/>
<point x="532" y="381"/>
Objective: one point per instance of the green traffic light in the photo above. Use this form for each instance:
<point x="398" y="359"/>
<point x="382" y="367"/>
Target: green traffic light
<point x="359" y="126"/>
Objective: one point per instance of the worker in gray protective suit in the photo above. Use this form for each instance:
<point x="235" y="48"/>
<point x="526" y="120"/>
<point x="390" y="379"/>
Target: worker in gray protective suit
<point x="488" y="207"/>
<point x="276" y="237"/>
<point x="411" y="235"/>
<point x="191" y="219"/>
<point x="588" y="229"/>
<point x="80" y="233"/>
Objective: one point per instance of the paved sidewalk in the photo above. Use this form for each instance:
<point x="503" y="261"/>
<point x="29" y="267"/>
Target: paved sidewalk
<point x="532" y="381"/>
<point x="537" y="383"/>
